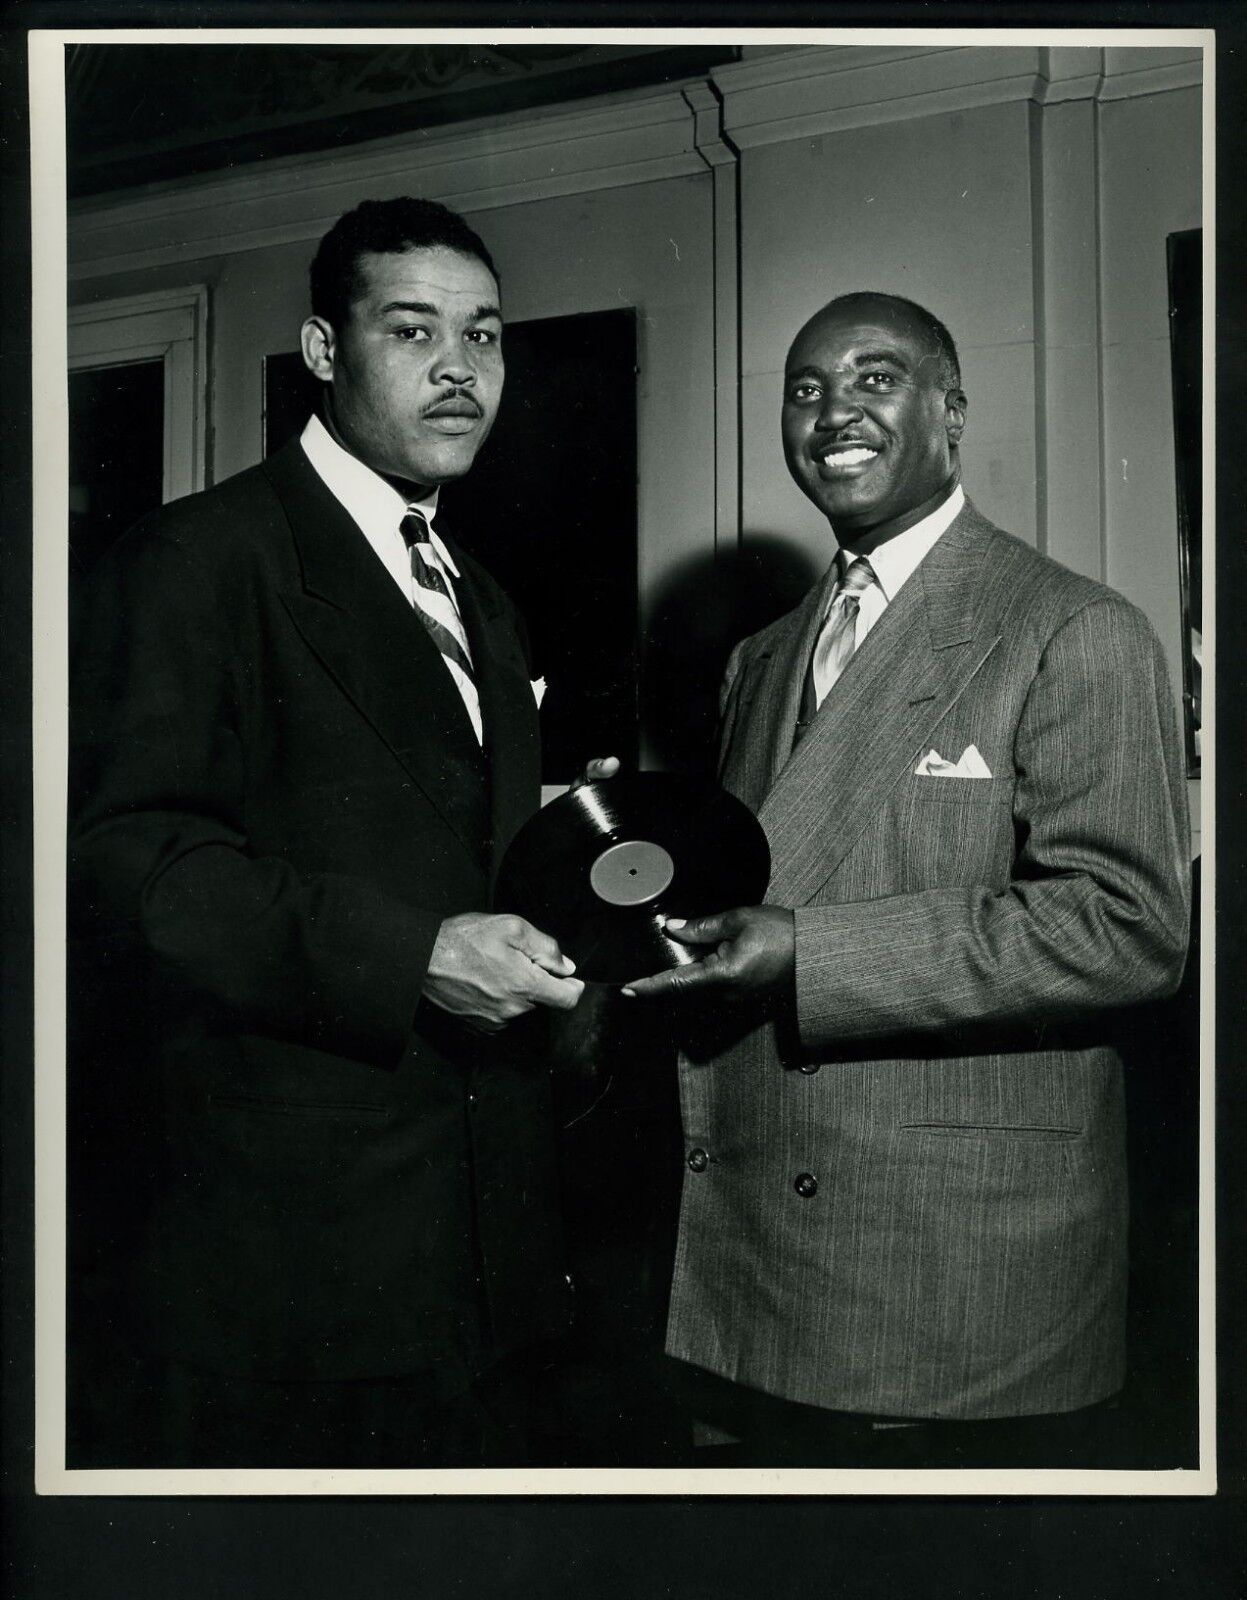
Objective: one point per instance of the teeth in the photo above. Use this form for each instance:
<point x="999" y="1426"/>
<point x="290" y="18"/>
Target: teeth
<point x="849" y="458"/>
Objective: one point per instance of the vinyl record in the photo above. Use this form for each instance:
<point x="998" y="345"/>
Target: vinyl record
<point x="600" y="868"/>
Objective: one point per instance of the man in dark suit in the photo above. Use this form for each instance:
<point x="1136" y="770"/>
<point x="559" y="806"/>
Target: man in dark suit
<point x="902" y="1238"/>
<point x="304" y="733"/>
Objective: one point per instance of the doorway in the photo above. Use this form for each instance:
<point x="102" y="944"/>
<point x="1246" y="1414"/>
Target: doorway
<point x="137" y="389"/>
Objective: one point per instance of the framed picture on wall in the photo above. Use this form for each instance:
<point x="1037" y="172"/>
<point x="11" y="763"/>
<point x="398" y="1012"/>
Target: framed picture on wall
<point x="1185" y="342"/>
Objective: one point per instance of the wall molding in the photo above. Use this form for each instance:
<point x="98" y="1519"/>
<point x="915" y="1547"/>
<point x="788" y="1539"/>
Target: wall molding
<point x="806" y="92"/>
<point x="606" y="143"/>
<point x="634" y="137"/>
<point x="723" y="158"/>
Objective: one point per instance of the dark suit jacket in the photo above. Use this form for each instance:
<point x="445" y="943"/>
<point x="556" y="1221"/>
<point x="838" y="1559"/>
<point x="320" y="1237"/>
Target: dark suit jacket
<point x="950" y="1087"/>
<point x="276" y="799"/>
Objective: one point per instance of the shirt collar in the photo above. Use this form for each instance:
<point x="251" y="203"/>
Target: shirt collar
<point x="374" y="504"/>
<point x="897" y="559"/>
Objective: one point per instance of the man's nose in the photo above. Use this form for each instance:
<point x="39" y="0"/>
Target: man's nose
<point x="840" y="407"/>
<point x="453" y="364"/>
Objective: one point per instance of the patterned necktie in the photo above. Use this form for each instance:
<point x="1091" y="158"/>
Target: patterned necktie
<point x="435" y="605"/>
<point x="433" y="598"/>
<point x="837" y="641"/>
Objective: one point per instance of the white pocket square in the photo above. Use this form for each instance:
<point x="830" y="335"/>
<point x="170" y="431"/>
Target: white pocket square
<point x="538" y="686"/>
<point x="971" y="765"/>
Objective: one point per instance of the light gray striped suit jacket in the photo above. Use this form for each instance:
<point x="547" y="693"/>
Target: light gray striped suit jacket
<point x="962" y="946"/>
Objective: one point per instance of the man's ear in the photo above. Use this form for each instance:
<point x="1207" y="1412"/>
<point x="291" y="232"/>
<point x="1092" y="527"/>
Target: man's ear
<point x="955" y="415"/>
<point x="317" y="342"/>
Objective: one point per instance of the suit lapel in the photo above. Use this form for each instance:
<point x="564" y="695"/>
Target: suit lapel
<point x="766" y="702"/>
<point x="353" y="617"/>
<point x="508" y="709"/>
<point x="784" y="682"/>
<point x="869" y="732"/>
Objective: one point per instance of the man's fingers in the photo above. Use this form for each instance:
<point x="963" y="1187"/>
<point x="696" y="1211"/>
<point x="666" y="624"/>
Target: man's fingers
<point x="699" y="930"/>
<point x="596" y="771"/>
<point x="540" y="949"/>
<point x="561" y="994"/>
<point x="678" y="981"/>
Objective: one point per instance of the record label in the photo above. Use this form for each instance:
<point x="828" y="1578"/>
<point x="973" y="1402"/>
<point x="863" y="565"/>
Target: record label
<point x="632" y="873"/>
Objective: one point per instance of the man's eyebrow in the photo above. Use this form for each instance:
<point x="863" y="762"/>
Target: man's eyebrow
<point x="426" y="308"/>
<point x="865" y="358"/>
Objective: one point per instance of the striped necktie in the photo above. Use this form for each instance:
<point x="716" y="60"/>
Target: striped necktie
<point x="437" y="609"/>
<point x="432" y="595"/>
<point x="834" y="646"/>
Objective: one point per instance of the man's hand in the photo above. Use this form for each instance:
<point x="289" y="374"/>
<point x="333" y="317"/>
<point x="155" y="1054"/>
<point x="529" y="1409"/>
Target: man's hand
<point x="753" y="955"/>
<point x="490" y="969"/>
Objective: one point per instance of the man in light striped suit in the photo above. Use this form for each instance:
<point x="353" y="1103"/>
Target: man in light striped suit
<point x="903" y="1229"/>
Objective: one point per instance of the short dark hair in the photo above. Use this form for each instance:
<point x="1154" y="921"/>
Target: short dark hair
<point x="950" y="365"/>
<point x="383" y="227"/>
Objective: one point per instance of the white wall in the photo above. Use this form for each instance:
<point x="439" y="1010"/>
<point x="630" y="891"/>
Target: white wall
<point x="935" y="208"/>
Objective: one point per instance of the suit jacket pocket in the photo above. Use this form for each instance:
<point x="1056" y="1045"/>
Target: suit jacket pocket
<point x="959" y="791"/>
<point x="1038" y="1093"/>
<point x="942" y="833"/>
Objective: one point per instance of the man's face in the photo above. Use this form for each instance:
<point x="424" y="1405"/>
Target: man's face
<point x="416" y="373"/>
<point x="869" y="429"/>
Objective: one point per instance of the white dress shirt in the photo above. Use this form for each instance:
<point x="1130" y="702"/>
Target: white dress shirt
<point x="896" y="560"/>
<point x="378" y="509"/>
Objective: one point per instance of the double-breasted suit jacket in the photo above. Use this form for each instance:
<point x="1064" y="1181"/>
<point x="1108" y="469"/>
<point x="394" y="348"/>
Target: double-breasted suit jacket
<point x="277" y="798"/>
<point x="914" y="1202"/>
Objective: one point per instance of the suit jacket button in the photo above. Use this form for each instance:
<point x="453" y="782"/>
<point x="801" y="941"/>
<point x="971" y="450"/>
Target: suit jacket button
<point x="806" y="1185"/>
<point x="698" y="1160"/>
<point x="809" y="1067"/>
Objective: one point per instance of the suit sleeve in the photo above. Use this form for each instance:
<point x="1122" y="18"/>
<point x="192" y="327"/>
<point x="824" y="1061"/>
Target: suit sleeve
<point x="1096" y="913"/>
<point x="159" y="845"/>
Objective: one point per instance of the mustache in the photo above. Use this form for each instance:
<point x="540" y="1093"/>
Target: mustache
<point x="457" y="401"/>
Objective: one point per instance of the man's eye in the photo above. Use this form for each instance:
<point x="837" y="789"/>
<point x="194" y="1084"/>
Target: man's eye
<point x="879" y="380"/>
<point x="410" y="335"/>
<point x="481" y="336"/>
<point x="802" y="392"/>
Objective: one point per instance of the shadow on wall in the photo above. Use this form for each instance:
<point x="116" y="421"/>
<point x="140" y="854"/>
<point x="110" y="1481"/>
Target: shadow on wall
<point x="702" y="609"/>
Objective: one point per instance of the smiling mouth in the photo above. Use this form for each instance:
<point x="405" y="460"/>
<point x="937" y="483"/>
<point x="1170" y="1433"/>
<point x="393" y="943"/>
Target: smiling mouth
<point x="842" y="457"/>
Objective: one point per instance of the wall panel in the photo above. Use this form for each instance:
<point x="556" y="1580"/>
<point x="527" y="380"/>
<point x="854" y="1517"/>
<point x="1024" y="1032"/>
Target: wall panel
<point x="934" y="208"/>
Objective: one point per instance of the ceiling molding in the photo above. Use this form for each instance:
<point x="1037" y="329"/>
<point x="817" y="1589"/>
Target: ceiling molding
<point x="209" y="107"/>
<point x="628" y="138"/>
<point x="810" y="91"/>
<point x="1127" y="74"/>
<point x="534" y="156"/>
